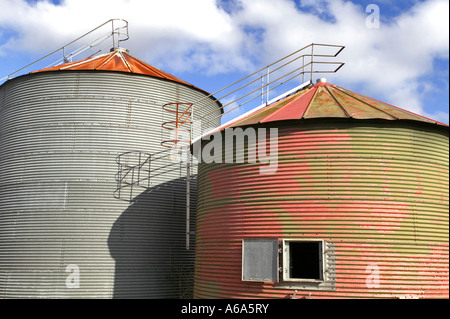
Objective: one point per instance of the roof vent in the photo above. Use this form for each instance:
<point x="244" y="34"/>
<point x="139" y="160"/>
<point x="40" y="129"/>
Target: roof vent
<point x="119" y="49"/>
<point x="321" y="80"/>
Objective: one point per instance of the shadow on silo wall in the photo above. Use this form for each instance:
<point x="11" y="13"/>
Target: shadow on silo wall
<point x="149" y="247"/>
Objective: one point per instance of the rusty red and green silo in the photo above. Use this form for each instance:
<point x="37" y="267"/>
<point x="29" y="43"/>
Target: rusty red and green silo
<point x="364" y="179"/>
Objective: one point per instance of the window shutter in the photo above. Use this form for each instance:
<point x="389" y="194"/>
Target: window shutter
<point x="260" y="260"/>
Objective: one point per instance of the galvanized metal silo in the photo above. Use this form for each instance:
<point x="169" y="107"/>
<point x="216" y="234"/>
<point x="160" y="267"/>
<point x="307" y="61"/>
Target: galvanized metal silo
<point x="62" y="232"/>
<point x="357" y="207"/>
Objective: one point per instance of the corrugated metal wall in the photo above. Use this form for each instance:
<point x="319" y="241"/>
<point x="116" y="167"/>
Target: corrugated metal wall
<point x="377" y="190"/>
<point x="60" y="134"/>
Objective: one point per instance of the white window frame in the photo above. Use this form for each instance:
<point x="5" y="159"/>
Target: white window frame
<point x="279" y="255"/>
<point x="286" y="261"/>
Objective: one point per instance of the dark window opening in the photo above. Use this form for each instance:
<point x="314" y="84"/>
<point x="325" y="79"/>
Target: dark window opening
<point x="305" y="261"/>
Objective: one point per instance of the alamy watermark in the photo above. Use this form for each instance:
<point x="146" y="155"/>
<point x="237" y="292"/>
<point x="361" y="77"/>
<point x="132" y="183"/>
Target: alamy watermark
<point x="232" y="145"/>
<point x="373" y="277"/>
<point x="373" y="19"/>
<point x="73" y="279"/>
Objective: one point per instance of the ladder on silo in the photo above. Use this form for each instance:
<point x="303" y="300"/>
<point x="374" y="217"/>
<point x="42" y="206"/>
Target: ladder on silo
<point x="180" y="140"/>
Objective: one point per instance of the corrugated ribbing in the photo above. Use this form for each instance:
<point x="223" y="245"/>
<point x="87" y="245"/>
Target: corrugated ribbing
<point x="378" y="191"/>
<point x="60" y="135"/>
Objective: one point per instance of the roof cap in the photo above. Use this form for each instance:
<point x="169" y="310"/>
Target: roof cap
<point x="119" y="49"/>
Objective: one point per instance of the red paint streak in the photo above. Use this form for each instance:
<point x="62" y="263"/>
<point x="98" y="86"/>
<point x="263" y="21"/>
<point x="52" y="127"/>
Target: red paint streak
<point x="219" y="252"/>
<point x="401" y="276"/>
<point x="229" y="184"/>
<point x="324" y="84"/>
<point x="293" y="110"/>
<point x="419" y="191"/>
<point x="305" y="144"/>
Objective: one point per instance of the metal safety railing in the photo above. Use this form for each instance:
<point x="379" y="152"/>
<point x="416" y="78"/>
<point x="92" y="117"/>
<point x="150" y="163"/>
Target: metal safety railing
<point x="118" y="32"/>
<point x="146" y="171"/>
<point x="139" y="170"/>
<point x="256" y="89"/>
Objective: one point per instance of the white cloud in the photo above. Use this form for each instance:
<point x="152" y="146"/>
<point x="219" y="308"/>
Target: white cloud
<point x="387" y="62"/>
<point x="201" y="36"/>
<point x="176" y="31"/>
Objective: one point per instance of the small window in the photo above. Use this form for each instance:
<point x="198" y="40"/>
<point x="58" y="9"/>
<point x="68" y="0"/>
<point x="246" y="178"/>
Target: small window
<point x="307" y="264"/>
<point x="303" y="261"/>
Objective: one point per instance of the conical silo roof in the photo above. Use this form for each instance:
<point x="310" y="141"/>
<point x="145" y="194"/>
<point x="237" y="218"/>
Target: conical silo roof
<point x="325" y="100"/>
<point x="118" y="60"/>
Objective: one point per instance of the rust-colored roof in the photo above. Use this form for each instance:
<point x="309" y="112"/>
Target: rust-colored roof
<point x="116" y="60"/>
<point x="325" y="100"/>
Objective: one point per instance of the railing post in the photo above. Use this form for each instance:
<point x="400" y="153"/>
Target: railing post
<point x="303" y="69"/>
<point x="113" y="41"/>
<point x="267" y="85"/>
<point x="132" y="182"/>
<point x="119" y="178"/>
<point x="149" y="163"/>
<point x="312" y="61"/>
<point x="188" y="198"/>
<point x="139" y="169"/>
<point x="262" y="89"/>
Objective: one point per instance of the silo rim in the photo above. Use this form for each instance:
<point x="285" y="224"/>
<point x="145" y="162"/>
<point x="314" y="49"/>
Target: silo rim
<point x="186" y="84"/>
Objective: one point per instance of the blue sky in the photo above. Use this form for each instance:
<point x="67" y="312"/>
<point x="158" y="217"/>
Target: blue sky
<point x="210" y="43"/>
